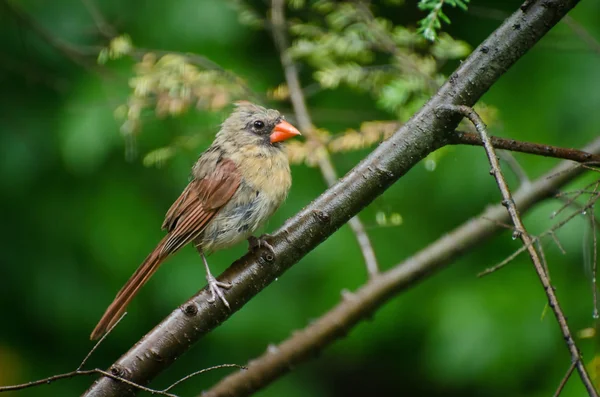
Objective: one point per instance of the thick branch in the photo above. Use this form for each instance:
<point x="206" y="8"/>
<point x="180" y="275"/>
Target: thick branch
<point x="422" y="134"/>
<point x="306" y="126"/>
<point x="309" y="342"/>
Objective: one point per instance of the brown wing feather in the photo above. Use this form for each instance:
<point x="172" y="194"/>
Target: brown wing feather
<point x="185" y="220"/>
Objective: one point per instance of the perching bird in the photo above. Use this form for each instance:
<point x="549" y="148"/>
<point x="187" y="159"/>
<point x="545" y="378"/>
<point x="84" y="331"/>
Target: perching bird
<point x="237" y="183"/>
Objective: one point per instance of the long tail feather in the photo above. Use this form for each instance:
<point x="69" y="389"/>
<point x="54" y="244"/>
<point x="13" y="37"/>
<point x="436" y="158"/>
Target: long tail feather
<point x="130" y="289"/>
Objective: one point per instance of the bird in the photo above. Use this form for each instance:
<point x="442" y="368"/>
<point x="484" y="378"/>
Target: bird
<point x="235" y="186"/>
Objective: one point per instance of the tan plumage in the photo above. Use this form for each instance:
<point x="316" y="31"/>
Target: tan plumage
<point x="237" y="184"/>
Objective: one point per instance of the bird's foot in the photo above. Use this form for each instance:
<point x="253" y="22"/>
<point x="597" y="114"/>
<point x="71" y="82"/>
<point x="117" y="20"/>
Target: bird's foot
<point x="255" y="243"/>
<point x="215" y="289"/>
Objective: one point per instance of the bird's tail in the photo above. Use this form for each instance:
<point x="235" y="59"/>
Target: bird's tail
<point x="130" y="289"/>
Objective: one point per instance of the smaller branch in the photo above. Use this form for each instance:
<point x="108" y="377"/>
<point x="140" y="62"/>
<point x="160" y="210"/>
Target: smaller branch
<point x="516" y="168"/>
<point x="540" y="249"/>
<point x="201" y="372"/>
<point x="506" y="261"/>
<point x="75" y="53"/>
<point x="564" y="380"/>
<point x="72" y="374"/>
<point x="550" y="232"/>
<point x="557" y="242"/>
<point x="583" y="34"/>
<point x="508" y="202"/>
<point x="590" y="166"/>
<point x="84" y="361"/>
<point x="102" y="25"/>
<point x="306" y="126"/>
<point x="466" y="138"/>
<point x="594" y="262"/>
<point x="572" y="200"/>
<point x="579" y="207"/>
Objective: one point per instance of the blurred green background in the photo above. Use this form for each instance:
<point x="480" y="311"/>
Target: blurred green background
<point x="78" y="218"/>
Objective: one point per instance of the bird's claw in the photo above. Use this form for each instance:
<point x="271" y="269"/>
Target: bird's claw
<point x="215" y="290"/>
<point x="255" y="243"/>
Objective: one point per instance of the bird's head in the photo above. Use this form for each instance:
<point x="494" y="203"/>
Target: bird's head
<point x="250" y="124"/>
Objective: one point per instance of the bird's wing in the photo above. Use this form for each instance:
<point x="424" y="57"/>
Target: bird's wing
<point x="198" y="203"/>
<point x="185" y="220"/>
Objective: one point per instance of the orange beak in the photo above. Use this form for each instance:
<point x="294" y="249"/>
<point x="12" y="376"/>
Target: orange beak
<point x="283" y="131"/>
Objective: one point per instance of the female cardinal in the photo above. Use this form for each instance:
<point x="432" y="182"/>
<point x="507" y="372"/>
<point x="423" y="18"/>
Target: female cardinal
<point x="237" y="183"/>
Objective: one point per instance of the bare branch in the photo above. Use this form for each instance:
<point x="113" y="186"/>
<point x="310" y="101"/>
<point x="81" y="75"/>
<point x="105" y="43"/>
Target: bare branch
<point x="203" y="371"/>
<point x="73" y="374"/>
<point x="306" y="126"/>
<point x="564" y="380"/>
<point x="515" y="167"/>
<point x="77" y="54"/>
<point x="102" y="25"/>
<point x="466" y="138"/>
<point x="583" y="34"/>
<point x="84" y="361"/>
<point x="508" y="202"/>
<point x="550" y="232"/>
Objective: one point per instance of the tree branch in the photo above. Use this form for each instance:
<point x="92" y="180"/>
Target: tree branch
<point x="306" y="126"/>
<point x="309" y="342"/>
<point x="76" y="54"/>
<point x="521" y="232"/>
<point x="421" y="135"/>
<point x="467" y="138"/>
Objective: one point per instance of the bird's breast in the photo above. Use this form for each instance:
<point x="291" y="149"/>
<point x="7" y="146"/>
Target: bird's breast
<point x="264" y="185"/>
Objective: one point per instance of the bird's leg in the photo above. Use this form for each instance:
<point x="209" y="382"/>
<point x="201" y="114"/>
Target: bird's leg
<point x="214" y="285"/>
<point x="255" y="243"/>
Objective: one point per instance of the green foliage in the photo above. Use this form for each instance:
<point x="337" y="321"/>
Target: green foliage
<point x="430" y="25"/>
<point x="351" y="46"/>
<point x="247" y="15"/>
<point x="117" y="48"/>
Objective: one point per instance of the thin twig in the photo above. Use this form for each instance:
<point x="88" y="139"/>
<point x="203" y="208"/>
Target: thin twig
<point x="72" y="374"/>
<point x="76" y="54"/>
<point x="568" y="202"/>
<point x="540" y="249"/>
<point x="467" y="138"/>
<point x="550" y="232"/>
<point x="306" y="126"/>
<point x="508" y="202"/>
<point x="564" y="380"/>
<point x="594" y="261"/>
<point x="583" y="34"/>
<point x="515" y="167"/>
<point x="592" y="218"/>
<point x="106" y="29"/>
<point x="84" y="361"/>
<point x="309" y="342"/>
<point x="203" y="371"/>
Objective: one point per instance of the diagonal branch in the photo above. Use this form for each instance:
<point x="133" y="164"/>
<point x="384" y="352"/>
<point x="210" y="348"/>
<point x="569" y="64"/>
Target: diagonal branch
<point x="521" y="232"/>
<point x="422" y="134"/>
<point x="333" y="325"/>
<point x="306" y="126"/>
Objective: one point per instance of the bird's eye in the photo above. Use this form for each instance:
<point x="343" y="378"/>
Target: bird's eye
<point x="259" y="125"/>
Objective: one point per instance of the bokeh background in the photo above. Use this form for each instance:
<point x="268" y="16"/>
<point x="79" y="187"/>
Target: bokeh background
<point x="78" y="218"/>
